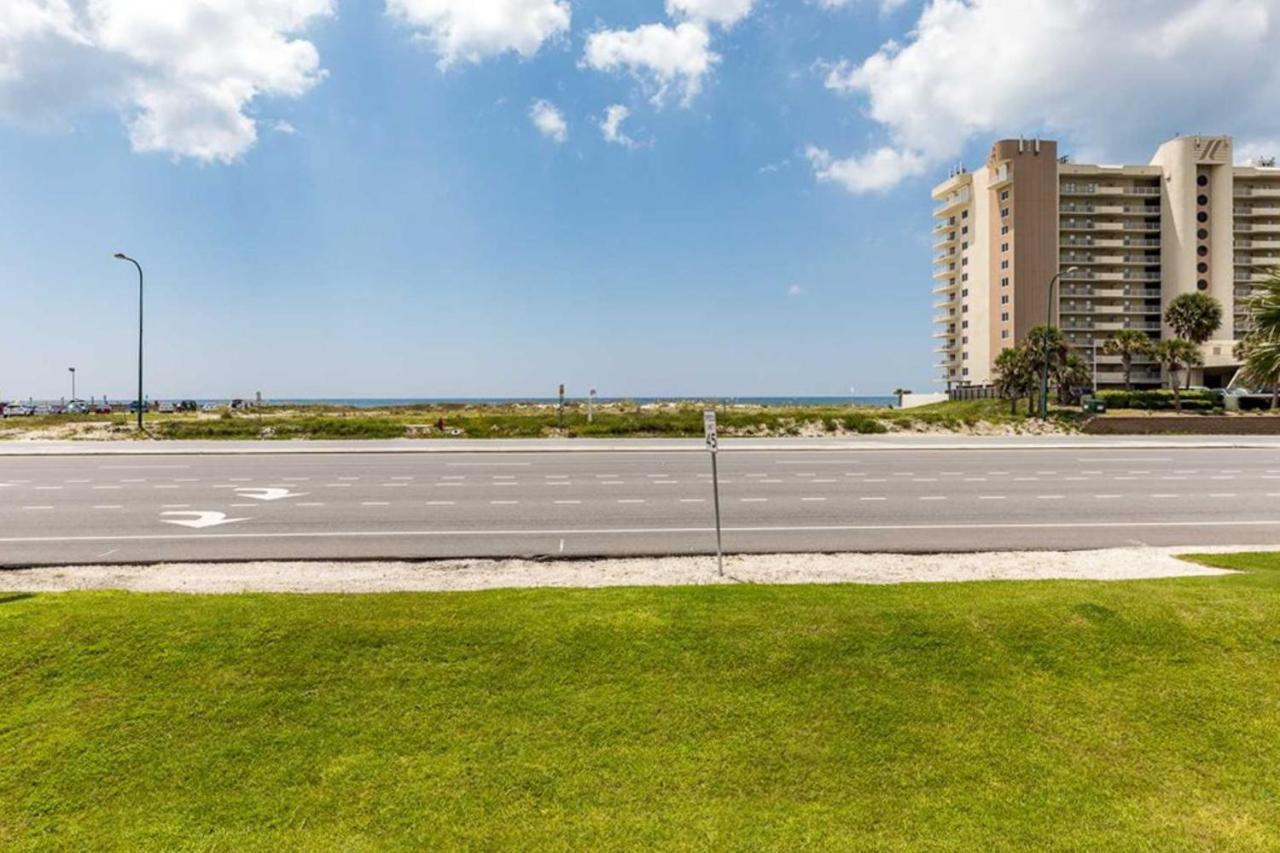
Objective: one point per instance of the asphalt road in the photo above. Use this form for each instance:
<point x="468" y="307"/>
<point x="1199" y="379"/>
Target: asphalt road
<point x="132" y="508"/>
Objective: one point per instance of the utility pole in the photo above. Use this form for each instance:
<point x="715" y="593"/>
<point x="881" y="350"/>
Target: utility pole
<point x="1048" y="323"/>
<point x="123" y="257"/>
<point x="713" y="446"/>
<point x="73" y="383"/>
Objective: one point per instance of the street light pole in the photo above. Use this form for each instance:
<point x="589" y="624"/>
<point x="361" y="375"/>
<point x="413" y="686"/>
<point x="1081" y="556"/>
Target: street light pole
<point x="73" y="383"/>
<point x="1048" y="322"/>
<point x="123" y="257"/>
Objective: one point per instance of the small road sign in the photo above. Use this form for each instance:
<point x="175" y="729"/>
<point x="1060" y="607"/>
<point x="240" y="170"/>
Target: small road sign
<point x="713" y="445"/>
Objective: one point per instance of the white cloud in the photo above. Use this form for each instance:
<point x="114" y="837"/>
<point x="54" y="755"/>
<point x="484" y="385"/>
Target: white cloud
<point x="886" y="6"/>
<point x="183" y="73"/>
<point x="1250" y="151"/>
<point x="1116" y="76"/>
<point x="878" y="170"/>
<point x="726" y="13"/>
<point x="549" y="121"/>
<point x="284" y="127"/>
<point x="795" y="290"/>
<point x="474" y="30"/>
<point x="611" y="126"/>
<point x="662" y="58"/>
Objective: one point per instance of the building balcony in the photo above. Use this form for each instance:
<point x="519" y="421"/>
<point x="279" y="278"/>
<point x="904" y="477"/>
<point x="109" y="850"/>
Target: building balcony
<point x="1141" y="242"/>
<point x="1257" y="192"/>
<point x="1001" y="176"/>
<point x="949" y="269"/>
<point x="950" y="286"/>
<point x="954" y="201"/>
<point x="948" y="239"/>
<point x="944" y="318"/>
<point x="1258" y="210"/>
<point x="1070" y="188"/>
<point x="1254" y="245"/>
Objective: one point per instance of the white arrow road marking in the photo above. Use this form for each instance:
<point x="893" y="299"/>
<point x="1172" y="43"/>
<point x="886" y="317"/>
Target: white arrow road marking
<point x="269" y="494"/>
<point x="198" y="520"/>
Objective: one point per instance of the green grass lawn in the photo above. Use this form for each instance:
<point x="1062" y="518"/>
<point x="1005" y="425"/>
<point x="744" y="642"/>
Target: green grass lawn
<point x="1136" y="715"/>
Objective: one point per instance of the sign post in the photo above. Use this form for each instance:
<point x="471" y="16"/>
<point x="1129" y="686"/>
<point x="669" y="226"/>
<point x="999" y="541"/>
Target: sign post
<point x="713" y="447"/>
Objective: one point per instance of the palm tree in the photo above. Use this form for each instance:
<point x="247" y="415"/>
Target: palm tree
<point x="1041" y="338"/>
<point x="1260" y="349"/>
<point x="1261" y="360"/>
<point x="1070" y="377"/>
<point x="1194" y="317"/>
<point x="1128" y="344"/>
<point x="1174" y="354"/>
<point x="1015" y="375"/>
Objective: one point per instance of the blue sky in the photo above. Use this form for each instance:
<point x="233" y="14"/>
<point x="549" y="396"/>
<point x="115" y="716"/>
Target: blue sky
<point x="409" y="231"/>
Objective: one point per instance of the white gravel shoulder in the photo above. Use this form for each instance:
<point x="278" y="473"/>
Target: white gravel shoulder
<point x="455" y="575"/>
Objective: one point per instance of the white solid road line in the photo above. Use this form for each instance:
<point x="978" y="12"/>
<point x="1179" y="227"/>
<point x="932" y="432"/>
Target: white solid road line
<point x="634" y="531"/>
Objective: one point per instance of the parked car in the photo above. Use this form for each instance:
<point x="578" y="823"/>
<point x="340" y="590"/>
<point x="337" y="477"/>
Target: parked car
<point x="166" y="408"/>
<point x="188" y="406"/>
<point x="77" y="407"/>
<point x="103" y="408"/>
<point x="18" y="410"/>
<point x="210" y="407"/>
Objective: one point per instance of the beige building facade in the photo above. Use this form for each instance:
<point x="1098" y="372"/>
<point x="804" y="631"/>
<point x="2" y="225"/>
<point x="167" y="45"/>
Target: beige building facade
<point x="1126" y="240"/>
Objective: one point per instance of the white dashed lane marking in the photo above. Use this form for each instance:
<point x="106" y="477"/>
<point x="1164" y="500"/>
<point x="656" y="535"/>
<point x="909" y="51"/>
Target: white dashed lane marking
<point x="108" y="506"/>
<point x="374" y="503"/>
<point x="567" y="503"/>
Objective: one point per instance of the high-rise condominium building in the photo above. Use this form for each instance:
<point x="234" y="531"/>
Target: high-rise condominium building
<point x="1126" y="239"/>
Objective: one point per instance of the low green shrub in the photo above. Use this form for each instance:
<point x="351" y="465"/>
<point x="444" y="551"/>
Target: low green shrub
<point x="1161" y="399"/>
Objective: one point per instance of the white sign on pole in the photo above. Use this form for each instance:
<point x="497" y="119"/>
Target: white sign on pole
<point x="709" y="428"/>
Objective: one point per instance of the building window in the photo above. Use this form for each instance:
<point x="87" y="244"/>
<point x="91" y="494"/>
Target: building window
<point x="964" y="309"/>
<point x="1004" y="334"/>
<point x="964" y="245"/>
<point x="1004" y="317"/>
<point x="964" y="262"/>
<point x="1004" y="213"/>
<point x="964" y="230"/>
<point x="964" y="356"/>
<point x="1004" y="265"/>
<point x="964" y="324"/>
<point x="964" y="293"/>
<point x="1004" y="247"/>
<point x="964" y="340"/>
<point x="964" y="276"/>
<point x="1004" y="282"/>
<point x="964" y="214"/>
<point x="1004" y="229"/>
<point x="1004" y="300"/>
<point x="1004" y="196"/>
